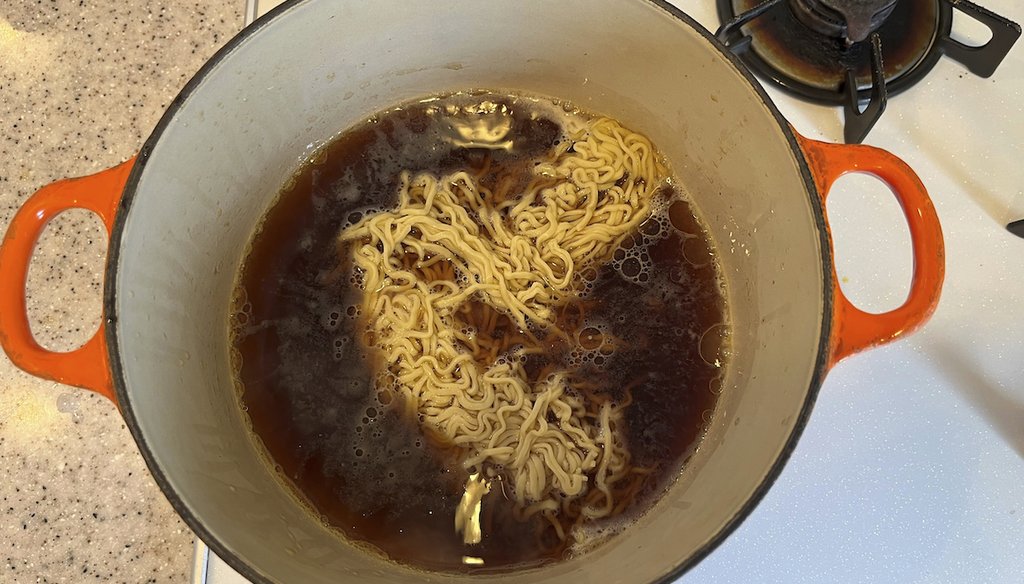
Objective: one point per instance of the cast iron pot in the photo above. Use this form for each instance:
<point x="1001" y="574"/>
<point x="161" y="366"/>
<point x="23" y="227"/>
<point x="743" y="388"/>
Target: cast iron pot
<point x="181" y="213"/>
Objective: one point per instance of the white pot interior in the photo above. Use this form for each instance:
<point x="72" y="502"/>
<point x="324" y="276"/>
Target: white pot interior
<point x="321" y="66"/>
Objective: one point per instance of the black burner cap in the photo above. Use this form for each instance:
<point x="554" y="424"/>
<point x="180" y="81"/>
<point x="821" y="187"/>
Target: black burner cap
<point x="851" y="20"/>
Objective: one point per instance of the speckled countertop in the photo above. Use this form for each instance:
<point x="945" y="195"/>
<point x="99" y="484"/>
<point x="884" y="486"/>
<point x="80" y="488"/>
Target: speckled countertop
<point x="81" y="86"/>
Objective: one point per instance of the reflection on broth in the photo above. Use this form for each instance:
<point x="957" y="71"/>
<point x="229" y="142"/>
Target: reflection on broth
<point x="472" y="333"/>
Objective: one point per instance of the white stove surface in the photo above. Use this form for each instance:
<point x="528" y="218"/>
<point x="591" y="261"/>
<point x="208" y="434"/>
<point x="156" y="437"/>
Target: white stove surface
<point x="911" y="469"/>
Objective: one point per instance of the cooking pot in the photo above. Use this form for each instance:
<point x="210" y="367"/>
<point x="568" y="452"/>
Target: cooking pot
<point x="181" y="214"/>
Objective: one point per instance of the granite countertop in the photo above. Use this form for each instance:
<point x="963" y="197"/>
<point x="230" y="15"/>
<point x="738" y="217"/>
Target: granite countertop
<point x="81" y="87"/>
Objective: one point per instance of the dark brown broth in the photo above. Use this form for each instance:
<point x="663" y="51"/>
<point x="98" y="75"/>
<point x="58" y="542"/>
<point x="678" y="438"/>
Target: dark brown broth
<point x="308" y="382"/>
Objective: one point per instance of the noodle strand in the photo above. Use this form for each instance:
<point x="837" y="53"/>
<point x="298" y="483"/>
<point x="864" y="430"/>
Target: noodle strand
<point x="452" y="246"/>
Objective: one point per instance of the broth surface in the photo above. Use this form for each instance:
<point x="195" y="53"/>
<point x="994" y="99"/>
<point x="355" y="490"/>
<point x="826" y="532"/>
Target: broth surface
<point x="308" y="379"/>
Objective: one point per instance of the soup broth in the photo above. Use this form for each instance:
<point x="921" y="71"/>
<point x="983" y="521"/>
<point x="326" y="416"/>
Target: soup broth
<point x="647" y="330"/>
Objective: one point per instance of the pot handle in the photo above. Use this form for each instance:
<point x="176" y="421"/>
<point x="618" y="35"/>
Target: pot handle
<point x="853" y="329"/>
<point x="87" y="366"/>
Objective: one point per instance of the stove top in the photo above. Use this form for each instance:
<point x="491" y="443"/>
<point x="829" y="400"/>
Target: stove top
<point x="912" y="466"/>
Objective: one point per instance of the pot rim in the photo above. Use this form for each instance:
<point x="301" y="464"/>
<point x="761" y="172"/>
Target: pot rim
<point x="124" y="398"/>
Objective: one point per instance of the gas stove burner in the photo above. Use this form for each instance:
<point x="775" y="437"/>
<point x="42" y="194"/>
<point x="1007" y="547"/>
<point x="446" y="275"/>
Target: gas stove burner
<point x="849" y="52"/>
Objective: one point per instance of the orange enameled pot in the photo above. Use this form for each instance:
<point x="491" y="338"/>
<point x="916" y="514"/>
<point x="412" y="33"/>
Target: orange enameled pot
<point x="181" y="213"/>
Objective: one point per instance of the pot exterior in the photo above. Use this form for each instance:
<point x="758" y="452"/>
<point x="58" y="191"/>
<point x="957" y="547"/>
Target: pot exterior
<point x="312" y="68"/>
